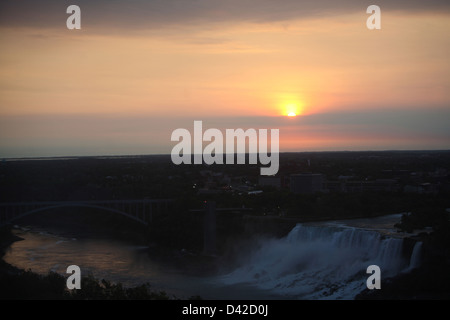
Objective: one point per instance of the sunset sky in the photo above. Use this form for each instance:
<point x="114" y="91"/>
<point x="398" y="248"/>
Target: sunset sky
<point x="137" y="70"/>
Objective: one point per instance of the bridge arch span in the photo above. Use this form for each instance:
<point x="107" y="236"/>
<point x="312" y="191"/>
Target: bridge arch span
<point x="141" y="211"/>
<point x="83" y="205"/>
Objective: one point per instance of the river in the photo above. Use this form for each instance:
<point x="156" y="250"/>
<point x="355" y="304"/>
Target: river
<point x="325" y="260"/>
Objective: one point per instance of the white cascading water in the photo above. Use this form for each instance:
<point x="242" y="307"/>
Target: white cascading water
<point x="314" y="262"/>
<point x="416" y="256"/>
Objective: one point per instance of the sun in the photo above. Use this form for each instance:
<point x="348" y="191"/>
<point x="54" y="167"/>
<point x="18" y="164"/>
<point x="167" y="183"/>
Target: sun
<point x="291" y="109"/>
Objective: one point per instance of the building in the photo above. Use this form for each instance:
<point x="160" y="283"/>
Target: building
<point x="378" y="185"/>
<point x="307" y="183"/>
<point x="270" y="181"/>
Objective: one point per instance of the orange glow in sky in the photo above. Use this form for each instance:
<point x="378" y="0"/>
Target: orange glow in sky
<point x="302" y="66"/>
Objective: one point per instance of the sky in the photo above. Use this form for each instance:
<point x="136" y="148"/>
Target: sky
<point x="137" y="70"/>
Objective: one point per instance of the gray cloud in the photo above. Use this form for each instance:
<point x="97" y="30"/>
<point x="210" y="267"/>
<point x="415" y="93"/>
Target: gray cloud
<point x="433" y="120"/>
<point x="114" y="15"/>
<point x="86" y="134"/>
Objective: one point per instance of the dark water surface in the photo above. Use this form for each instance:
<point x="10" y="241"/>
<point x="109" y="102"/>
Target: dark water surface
<point x="118" y="262"/>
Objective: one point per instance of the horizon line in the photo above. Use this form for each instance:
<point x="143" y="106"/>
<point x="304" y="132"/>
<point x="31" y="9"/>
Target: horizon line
<point x="73" y="157"/>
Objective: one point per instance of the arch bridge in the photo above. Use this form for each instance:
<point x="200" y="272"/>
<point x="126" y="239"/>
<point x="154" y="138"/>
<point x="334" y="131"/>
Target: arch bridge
<point x="142" y="211"/>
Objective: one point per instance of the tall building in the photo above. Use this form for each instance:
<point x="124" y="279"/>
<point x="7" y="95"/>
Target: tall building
<point x="307" y="183"/>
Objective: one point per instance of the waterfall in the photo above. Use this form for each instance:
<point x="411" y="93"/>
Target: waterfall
<point x="317" y="262"/>
<point x="416" y="256"/>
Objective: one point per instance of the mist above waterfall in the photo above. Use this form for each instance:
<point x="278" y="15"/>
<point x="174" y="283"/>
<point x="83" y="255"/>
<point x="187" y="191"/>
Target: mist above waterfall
<point x="321" y="262"/>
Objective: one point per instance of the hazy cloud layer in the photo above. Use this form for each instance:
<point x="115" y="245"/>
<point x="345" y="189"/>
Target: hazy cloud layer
<point x="148" y="14"/>
<point x="83" y="134"/>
